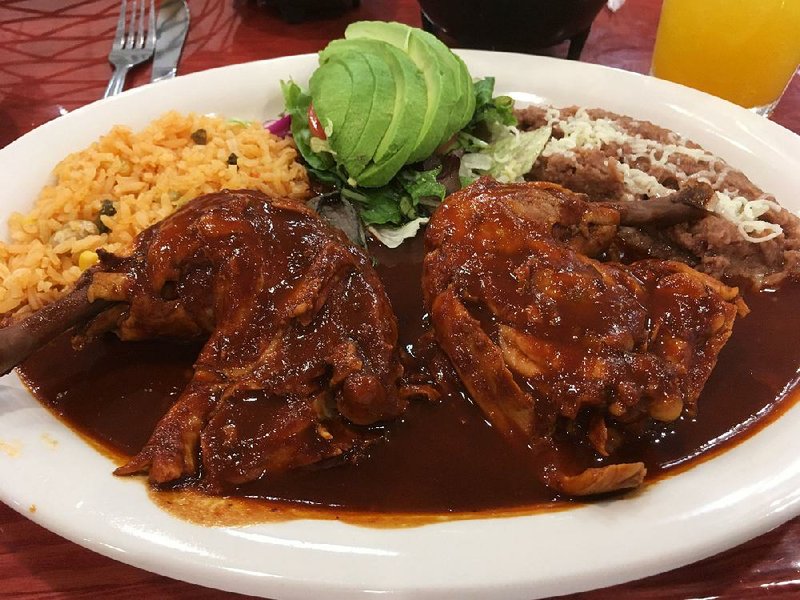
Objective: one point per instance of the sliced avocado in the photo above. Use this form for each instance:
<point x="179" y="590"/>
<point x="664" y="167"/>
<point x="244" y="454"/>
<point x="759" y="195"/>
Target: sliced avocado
<point x="438" y="62"/>
<point x="469" y="107"/>
<point x="456" y="82"/>
<point x="410" y="103"/>
<point x="410" y="97"/>
<point x="380" y="90"/>
<point x="358" y="87"/>
<point x="333" y="86"/>
<point x="408" y="112"/>
<point x="391" y="32"/>
<point x="439" y="74"/>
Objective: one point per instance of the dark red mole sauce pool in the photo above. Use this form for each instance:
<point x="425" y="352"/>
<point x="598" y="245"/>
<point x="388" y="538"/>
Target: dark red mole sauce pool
<point x="442" y="458"/>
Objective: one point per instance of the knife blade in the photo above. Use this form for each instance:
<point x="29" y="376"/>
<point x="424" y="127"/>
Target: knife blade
<point x="172" y="23"/>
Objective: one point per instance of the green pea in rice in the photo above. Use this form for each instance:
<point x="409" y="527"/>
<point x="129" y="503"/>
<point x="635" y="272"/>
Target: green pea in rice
<point x="146" y="175"/>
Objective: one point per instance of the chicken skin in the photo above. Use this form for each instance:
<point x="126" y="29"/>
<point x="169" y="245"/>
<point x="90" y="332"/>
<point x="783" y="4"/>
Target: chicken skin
<point x="300" y="353"/>
<point x="300" y="349"/>
<point x="543" y="335"/>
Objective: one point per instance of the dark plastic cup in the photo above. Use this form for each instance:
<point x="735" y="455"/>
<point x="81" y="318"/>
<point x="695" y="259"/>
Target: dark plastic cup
<point x="511" y="25"/>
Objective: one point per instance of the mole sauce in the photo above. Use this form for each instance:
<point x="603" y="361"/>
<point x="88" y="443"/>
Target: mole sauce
<point x="440" y="458"/>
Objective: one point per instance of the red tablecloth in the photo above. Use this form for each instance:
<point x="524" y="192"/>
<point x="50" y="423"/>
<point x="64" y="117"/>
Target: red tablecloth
<point x="52" y="59"/>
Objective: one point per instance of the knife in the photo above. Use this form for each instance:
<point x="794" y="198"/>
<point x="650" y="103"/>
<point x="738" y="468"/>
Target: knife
<point x="172" y="23"/>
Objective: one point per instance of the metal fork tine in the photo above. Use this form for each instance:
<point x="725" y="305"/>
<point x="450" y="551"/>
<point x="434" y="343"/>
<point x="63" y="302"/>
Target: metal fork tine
<point x="151" y="37"/>
<point x="134" y="43"/>
<point x="130" y="38"/>
<point x="119" y="36"/>
<point x="140" y="32"/>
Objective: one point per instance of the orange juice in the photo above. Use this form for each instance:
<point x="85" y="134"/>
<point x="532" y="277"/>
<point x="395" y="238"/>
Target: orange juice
<point x="743" y="50"/>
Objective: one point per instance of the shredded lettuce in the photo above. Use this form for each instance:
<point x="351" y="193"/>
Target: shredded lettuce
<point x="421" y="184"/>
<point x="510" y="155"/>
<point x="394" y="236"/>
<point x="377" y="206"/>
<point x="490" y="145"/>
<point x="399" y="200"/>
<point x="392" y="204"/>
<point x="297" y="105"/>
<point x="491" y="110"/>
<point x="490" y="113"/>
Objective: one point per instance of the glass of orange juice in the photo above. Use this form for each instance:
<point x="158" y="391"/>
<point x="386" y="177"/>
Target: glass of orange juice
<point x="745" y="51"/>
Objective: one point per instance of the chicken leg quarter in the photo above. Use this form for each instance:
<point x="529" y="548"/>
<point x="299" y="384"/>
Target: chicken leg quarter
<point x="300" y="349"/>
<point x="545" y="337"/>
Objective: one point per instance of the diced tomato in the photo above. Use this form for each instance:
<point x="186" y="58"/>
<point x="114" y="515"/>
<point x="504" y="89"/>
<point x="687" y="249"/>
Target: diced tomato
<point x="317" y="130"/>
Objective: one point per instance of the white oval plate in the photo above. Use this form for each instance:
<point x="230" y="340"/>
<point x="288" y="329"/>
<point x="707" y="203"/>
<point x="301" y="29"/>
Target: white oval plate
<point x="713" y="506"/>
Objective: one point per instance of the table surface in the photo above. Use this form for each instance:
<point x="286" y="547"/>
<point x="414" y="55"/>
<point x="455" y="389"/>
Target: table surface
<point x="52" y="60"/>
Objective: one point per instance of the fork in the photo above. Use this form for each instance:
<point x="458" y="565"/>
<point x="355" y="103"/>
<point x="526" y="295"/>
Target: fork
<point x="132" y="45"/>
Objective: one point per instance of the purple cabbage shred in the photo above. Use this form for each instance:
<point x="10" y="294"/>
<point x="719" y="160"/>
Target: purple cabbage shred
<point x="280" y="127"/>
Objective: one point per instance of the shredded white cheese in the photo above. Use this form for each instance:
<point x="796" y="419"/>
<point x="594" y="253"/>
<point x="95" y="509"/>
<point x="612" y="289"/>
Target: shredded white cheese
<point x="638" y="182"/>
<point x="582" y="131"/>
<point x="745" y="215"/>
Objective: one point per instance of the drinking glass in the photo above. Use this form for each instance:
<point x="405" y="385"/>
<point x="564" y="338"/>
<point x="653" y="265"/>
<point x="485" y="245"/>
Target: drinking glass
<point x="745" y="51"/>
